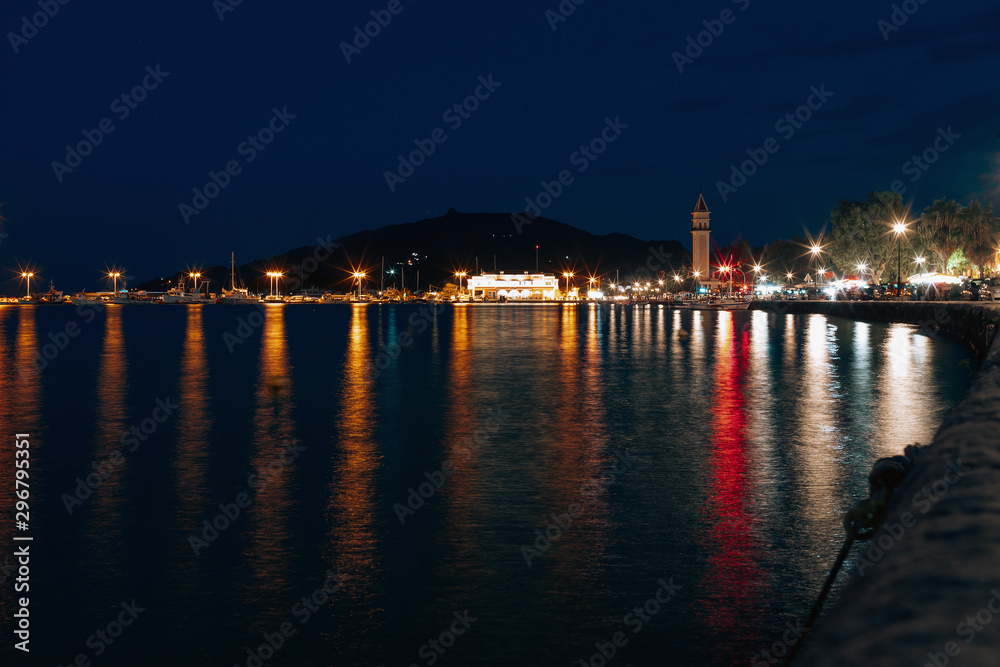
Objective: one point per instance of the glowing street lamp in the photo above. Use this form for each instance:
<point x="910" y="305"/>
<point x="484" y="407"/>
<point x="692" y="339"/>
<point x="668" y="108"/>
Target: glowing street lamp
<point x="195" y="276"/>
<point x="274" y="276"/>
<point x="567" y="275"/>
<point x="28" y="275"/>
<point x="460" y="275"/>
<point x="359" y="276"/>
<point x="115" y="276"/>
<point x="899" y="229"/>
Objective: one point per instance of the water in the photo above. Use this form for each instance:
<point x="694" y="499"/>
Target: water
<point x="747" y="440"/>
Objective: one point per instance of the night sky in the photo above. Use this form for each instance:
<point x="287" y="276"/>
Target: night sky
<point x="896" y="89"/>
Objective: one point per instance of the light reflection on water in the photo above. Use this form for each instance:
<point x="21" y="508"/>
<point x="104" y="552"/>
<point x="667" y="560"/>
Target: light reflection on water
<point x="751" y="436"/>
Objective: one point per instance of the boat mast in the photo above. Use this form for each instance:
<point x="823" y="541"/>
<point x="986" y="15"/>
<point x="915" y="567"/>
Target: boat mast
<point x="232" y="271"/>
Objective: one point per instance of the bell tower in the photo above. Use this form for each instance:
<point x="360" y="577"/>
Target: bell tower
<point x="701" y="232"/>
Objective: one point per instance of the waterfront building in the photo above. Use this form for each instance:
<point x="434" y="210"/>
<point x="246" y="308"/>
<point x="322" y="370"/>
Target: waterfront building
<point x="514" y="285"/>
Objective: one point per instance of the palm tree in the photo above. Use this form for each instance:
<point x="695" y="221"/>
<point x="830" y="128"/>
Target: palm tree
<point x="941" y="227"/>
<point x="979" y="226"/>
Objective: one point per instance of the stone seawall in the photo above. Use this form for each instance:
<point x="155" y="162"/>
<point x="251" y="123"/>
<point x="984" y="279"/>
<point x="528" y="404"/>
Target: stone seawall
<point x="926" y="589"/>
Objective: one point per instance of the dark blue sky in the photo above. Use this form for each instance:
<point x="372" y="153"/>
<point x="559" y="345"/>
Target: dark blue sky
<point x="324" y="173"/>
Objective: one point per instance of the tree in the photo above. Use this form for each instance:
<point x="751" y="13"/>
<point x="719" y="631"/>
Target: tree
<point x="449" y="291"/>
<point x="980" y="229"/>
<point x="941" y="227"/>
<point x="862" y="233"/>
<point x="782" y="257"/>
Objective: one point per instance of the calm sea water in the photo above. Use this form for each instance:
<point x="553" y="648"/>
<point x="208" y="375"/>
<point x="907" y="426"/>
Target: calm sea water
<point x="747" y="435"/>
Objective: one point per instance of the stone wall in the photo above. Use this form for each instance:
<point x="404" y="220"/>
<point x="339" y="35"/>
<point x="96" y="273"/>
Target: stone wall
<point x="926" y="589"/>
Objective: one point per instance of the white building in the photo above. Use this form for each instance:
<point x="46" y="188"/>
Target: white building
<point x="514" y="286"/>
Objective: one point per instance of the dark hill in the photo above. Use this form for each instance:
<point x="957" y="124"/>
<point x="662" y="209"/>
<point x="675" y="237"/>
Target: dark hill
<point x="438" y="247"/>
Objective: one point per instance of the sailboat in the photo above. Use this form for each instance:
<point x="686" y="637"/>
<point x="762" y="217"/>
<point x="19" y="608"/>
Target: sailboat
<point x="236" y="295"/>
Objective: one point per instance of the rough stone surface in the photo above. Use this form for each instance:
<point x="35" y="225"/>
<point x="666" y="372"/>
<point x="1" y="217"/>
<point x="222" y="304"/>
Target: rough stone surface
<point x="915" y="592"/>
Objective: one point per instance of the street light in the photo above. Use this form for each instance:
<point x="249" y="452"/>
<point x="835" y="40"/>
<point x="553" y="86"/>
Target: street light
<point x="359" y="276"/>
<point x="115" y="276"/>
<point x="460" y="275"/>
<point x="862" y="267"/>
<point x="567" y="275"/>
<point x="899" y="229"/>
<point x="28" y="275"/>
<point x="728" y="269"/>
<point x="195" y="276"/>
<point x="274" y="276"/>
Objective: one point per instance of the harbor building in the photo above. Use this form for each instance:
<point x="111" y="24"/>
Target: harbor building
<point x="513" y="286"/>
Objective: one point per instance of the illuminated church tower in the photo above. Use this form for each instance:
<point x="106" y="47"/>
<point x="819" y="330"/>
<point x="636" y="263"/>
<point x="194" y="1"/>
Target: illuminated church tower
<point x="700" y="232"/>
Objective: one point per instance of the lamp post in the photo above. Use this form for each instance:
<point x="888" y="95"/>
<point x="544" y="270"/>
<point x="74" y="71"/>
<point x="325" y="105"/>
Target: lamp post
<point x="536" y="259"/>
<point x="28" y="275"/>
<point x="274" y="276"/>
<point x="460" y="275"/>
<point x="195" y="276"/>
<point x="567" y="275"/>
<point x="899" y="229"/>
<point x="697" y="280"/>
<point x="727" y="269"/>
<point x="359" y="276"/>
